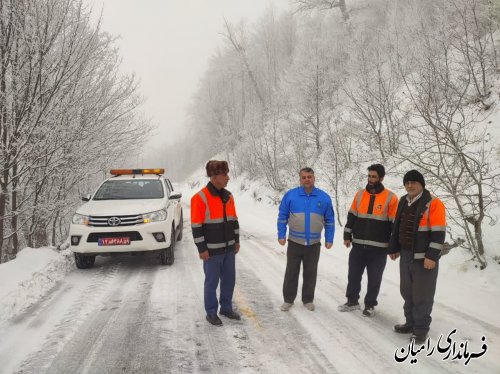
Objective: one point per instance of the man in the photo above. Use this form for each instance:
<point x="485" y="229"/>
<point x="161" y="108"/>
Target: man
<point x="418" y="237"/>
<point x="368" y="228"/>
<point x="306" y="209"/>
<point x="216" y="234"/>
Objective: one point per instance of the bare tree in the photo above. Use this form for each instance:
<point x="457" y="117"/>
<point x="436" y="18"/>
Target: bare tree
<point x="307" y="5"/>
<point x="472" y="37"/>
<point x="239" y="45"/>
<point x="374" y="95"/>
<point x="60" y="96"/>
<point x="445" y="139"/>
<point x="338" y="161"/>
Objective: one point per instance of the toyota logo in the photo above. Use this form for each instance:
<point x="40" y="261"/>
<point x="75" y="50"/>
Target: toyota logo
<point x="114" y="221"/>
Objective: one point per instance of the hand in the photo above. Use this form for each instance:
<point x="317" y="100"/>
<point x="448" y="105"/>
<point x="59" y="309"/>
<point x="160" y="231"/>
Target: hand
<point x="282" y="241"/>
<point x="429" y="264"/>
<point x="347" y="243"/>
<point x="204" y="255"/>
<point x="394" y="256"/>
<point x="328" y="245"/>
<point x="236" y="248"/>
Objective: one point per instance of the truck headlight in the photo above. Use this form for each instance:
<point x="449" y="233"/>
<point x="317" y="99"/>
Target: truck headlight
<point x="159" y="215"/>
<point x="80" y="219"/>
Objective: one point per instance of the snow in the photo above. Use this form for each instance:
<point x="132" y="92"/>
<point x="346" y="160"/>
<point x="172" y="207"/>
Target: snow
<point x="150" y="318"/>
<point x="29" y="277"/>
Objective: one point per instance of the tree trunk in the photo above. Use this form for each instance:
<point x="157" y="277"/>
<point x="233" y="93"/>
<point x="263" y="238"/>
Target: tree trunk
<point x="3" y="205"/>
<point x="54" y="226"/>
<point x="478" y="234"/>
<point x="15" y="216"/>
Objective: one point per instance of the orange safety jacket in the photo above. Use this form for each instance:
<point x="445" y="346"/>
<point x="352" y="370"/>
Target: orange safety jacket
<point x="370" y="218"/>
<point x="213" y="220"/>
<point x="429" y="228"/>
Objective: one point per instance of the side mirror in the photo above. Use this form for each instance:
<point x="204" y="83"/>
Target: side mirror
<point x="86" y="197"/>
<point x="175" y="196"/>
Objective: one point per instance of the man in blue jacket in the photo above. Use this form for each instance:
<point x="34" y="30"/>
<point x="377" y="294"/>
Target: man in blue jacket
<point x="306" y="210"/>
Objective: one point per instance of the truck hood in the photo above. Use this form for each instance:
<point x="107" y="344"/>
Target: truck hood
<point x="120" y="207"/>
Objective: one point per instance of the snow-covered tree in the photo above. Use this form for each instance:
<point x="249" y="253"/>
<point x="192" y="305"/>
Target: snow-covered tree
<point x="65" y="113"/>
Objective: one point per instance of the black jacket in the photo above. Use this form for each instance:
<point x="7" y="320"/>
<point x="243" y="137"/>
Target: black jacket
<point x="429" y="229"/>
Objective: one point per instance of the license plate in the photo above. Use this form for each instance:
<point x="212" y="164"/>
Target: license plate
<point x="113" y="241"/>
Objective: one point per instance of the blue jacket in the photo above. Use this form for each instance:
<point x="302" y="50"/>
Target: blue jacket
<point x="306" y="215"/>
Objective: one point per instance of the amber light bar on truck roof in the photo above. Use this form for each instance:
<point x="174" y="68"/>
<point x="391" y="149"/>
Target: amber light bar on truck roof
<point x="137" y="171"/>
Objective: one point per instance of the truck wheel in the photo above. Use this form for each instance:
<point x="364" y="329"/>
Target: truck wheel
<point x="167" y="255"/>
<point x="181" y="226"/>
<point x="84" y="262"/>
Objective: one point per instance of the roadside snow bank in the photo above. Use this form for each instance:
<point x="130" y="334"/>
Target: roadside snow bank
<point x="29" y="277"/>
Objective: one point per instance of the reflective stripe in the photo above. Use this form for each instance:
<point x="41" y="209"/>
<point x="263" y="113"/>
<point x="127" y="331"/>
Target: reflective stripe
<point x="435" y="245"/>
<point x="196" y="225"/>
<point x="207" y="208"/>
<point x="353" y="212"/>
<point x="220" y="245"/>
<point x="373" y="216"/>
<point x="419" y="256"/>
<point x="371" y="242"/>
<point x="347" y="229"/>
<point x="199" y="240"/>
<point x="232" y="218"/>
<point x="433" y="228"/>
<point x="360" y="197"/>
<point x="329" y="224"/>
<point x="298" y="233"/>
<point x="386" y="205"/>
<point x="438" y="228"/>
<point x="217" y="220"/>
<point x="237" y="231"/>
<point x="282" y="221"/>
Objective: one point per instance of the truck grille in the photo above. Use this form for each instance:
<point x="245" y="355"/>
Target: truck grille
<point x="115" y="221"/>
<point x="95" y="236"/>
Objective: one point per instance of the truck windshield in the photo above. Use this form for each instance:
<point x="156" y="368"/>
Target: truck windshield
<point x="130" y="189"/>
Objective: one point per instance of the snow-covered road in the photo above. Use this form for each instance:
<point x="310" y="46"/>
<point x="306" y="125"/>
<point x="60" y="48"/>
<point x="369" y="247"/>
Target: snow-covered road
<point x="132" y="315"/>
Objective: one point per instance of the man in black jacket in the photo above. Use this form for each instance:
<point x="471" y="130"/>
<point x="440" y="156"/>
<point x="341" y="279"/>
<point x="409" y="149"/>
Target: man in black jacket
<point x="418" y="237"/>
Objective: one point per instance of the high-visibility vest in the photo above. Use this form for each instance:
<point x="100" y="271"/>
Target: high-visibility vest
<point x="214" y="221"/>
<point x="429" y="228"/>
<point x="370" y="218"/>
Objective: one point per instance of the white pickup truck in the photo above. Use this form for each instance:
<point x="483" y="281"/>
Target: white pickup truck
<point x="136" y="210"/>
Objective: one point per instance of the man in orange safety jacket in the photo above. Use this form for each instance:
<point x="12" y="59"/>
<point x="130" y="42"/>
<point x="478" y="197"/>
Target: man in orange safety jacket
<point x="368" y="228"/>
<point x="216" y="234"/>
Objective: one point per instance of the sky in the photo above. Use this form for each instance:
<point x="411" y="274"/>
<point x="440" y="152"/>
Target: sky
<point x="167" y="44"/>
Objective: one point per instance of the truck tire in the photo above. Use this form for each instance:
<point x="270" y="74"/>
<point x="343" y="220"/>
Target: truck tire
<point x="167" y="255"/>
<point x="84" y="262"/>
<point x="179" y="228"/>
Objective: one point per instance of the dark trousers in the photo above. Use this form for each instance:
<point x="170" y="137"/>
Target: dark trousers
<point x="417" y="286"/>
<point x="221" y="267"/>
<point x="374" y="261"/>
<point x="295" y="255"/>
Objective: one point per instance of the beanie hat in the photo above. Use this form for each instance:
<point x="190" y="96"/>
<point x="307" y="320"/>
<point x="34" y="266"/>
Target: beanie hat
<point x="414" y="176"/>
<point x="215" y="167"/>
